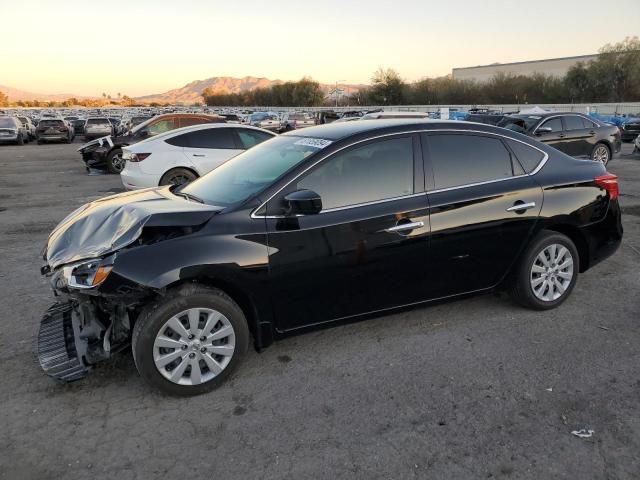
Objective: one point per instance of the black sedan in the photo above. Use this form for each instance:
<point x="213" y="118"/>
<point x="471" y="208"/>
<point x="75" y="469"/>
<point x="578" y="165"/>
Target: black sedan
<point x="630" y="129"/>
<point x="316" y="227"/>
<point x="574" y="134"/>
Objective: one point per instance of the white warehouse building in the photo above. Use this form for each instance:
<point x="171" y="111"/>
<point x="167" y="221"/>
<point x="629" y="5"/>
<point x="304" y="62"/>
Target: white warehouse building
<point x="557" y="67"/>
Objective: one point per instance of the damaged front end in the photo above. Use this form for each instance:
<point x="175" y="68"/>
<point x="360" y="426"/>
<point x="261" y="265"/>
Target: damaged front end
<point x="86" y="325"/>
<point x="94" y="153"/>
<point x="98" y="301"/>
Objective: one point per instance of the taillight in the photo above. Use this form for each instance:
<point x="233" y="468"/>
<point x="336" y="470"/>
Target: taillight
<point x="610" y="183"/>
<point x="138" y="157"/>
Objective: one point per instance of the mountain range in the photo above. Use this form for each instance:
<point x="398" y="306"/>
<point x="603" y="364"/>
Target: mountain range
<point x="188" y="94"/>
<point x="16" y="94"/>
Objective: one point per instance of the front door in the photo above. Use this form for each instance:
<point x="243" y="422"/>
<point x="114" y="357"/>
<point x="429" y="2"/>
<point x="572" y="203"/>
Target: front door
<point x="483" y="207"/>
<point x="366" y="250"/>
<point x="555" y="137"/>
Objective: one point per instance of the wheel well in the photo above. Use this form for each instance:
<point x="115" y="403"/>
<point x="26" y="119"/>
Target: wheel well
<point x="236" y="294"/>
<point x="606" y="144"/>
<point x="176" y="168"/>
<point x="577" y="238"/>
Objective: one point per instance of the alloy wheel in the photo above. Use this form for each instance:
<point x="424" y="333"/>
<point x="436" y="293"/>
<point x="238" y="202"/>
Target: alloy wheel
<point x="601" y="154"/>
<point x="551" y="272"/>
<point x="118" y="162"/>
<point x="194" y="346"/>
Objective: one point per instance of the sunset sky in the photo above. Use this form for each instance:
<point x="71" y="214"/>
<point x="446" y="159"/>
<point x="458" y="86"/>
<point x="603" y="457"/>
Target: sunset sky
<point x="143" y="47"/>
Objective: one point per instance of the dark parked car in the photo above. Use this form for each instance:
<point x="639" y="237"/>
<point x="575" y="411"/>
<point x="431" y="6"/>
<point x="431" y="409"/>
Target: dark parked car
<point x="78" y="126"/>
<point x="630" y="129"/>
<point x="316" y="227"/>
<point x="53" y="129"/>
<point x="574" y="134"/>
<point x="106" y="152"/>
<point x="486" y="118"/>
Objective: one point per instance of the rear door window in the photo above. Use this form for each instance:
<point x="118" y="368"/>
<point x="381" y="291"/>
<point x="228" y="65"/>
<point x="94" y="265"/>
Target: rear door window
<point x="212" y="138"/>
<point x="463" y="159"/>
<point x="573" y="122"/>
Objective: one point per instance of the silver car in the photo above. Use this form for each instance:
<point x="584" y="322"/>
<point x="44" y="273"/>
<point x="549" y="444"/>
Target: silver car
<point x="294" y="120"/>
<point x="29" y="127"/>
<point x="12" y="130"/>
<point x="267" y="120"/>
<point x="96" y="127"/>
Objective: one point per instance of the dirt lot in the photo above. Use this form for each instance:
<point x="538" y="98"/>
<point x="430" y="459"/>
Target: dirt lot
<point x="477" y="388"/>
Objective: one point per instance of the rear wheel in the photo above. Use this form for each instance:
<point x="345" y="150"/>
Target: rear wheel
<point x="190" y="342"/>
<point x="547" y="272"/>
<point x="601" y="153"/>
<point x="178" y="176"/>
<point x="115" y="162"/>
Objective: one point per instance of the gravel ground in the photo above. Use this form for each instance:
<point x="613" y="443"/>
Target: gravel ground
<point x="476" y="388"/>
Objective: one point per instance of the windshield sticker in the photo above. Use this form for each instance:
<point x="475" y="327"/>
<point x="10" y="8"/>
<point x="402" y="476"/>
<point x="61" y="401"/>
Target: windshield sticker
<point x="314" y="142"/>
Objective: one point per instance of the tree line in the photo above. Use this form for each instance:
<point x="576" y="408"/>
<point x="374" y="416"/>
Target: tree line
<point x="614" y="76"/>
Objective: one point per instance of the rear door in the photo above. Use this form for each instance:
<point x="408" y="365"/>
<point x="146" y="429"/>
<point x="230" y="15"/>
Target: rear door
<point x="483" y="207"/>
<point x="555" y="138"/>
<point x="366" y="250"/>
<point x="578" y="137"/>
<point x="210" y="147"/>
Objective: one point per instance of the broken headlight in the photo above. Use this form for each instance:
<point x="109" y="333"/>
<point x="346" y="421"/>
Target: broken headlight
<point x="88" y="274"/>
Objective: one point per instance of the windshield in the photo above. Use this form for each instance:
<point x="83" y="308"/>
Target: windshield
<point x="250" y="172"/>
<point x="519" y="123"/>
<point x="7" y="123"/>
<point x="140" y="126"/>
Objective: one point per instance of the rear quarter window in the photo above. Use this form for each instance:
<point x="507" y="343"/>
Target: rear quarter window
<point x="528" y="157"/>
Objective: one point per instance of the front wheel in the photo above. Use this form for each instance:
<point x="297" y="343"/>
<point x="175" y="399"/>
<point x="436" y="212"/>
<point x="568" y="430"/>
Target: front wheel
<point x="547" y="272"/>
<point x="601" y="153"/>
<point x="189" y="342"/>
<point x="20" y="140"/>
<point x="115" y="162"/>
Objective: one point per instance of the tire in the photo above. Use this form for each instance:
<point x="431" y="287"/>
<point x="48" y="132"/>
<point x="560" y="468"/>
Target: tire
<point x="20" y="140"/>
<point x="601" y="153"/>
<point x="39" y="142"/>
<point x="177" y="176"/>
<point x="174" y="307"/>
<point x="522" y="288"/>
<point x="115" y="164"/>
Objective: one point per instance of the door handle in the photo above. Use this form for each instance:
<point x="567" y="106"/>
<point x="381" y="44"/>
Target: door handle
<point x="403" y="227"/>
<point x="517" y="207"/>
<point x="197" y="155"/>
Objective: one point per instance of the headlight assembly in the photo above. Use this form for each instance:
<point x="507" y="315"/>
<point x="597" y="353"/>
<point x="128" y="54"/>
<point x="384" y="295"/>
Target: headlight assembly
<point x="88" y="274"/>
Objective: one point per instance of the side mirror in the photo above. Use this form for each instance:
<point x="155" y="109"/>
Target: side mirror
<point x="143" y="133"/>
<point x="543" y="130"/>
<point x="303" y="202"/>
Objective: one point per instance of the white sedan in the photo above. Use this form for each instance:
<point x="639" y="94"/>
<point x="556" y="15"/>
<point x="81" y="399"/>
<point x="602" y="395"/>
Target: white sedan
<point x="182" y="155"/>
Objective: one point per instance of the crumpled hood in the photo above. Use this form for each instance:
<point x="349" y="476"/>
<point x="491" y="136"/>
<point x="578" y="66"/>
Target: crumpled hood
<point x="112" y="223"/>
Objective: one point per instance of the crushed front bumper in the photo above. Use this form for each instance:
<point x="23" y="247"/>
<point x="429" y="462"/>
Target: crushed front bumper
<point x="56" y="350"/>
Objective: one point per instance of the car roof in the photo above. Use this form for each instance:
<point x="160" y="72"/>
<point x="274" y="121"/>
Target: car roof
<point x="338" y="131"/>
<point x="193" y="128"/>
